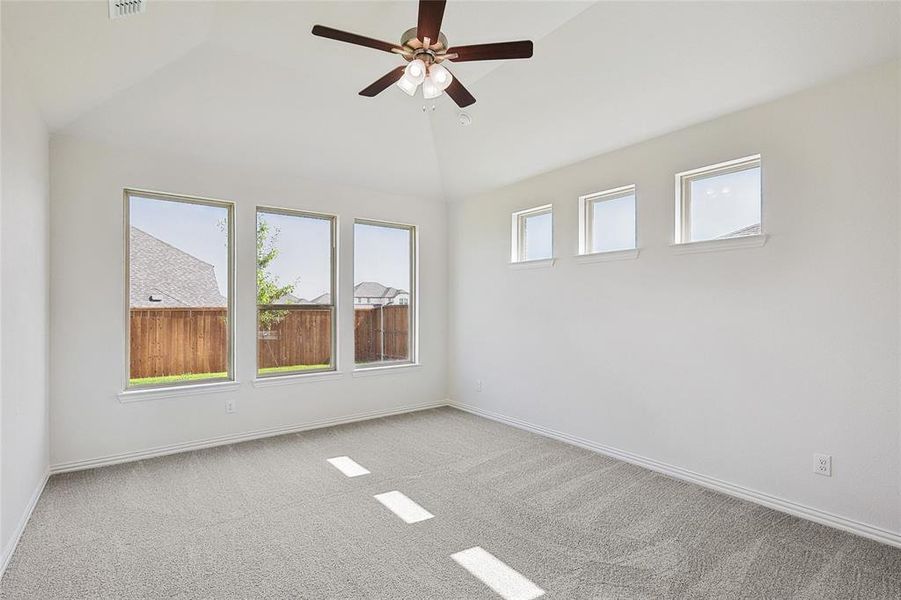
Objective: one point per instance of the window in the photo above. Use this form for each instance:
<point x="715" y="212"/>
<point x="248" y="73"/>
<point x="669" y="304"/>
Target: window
<point x="533" y="235"/>
<point x="180" y="280"/>
<point x="719" y="202"/>
<point x="607" y="221"/>
<point x="295" y="292"/>
<point x="384" y="274"/>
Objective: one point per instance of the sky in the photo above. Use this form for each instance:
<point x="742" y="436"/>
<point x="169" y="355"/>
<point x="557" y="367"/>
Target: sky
<point x="382" y="253"/>
<point x="192" y="228"/>
<point x="539" y="237"/>
<point x="724" y="203"/>
<point x="613" y="224"/>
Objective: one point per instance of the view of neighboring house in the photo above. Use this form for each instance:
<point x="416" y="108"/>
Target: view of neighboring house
<point x="371" y="294"/>
<point x="749" y="230"/>
<point x="162" y="276"/>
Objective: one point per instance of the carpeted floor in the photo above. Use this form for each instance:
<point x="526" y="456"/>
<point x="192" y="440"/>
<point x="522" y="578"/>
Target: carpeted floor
<point x="273" y="519"/>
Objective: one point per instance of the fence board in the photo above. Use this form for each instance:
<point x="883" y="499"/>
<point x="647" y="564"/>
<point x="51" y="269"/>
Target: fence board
<point x="178" y="341"/>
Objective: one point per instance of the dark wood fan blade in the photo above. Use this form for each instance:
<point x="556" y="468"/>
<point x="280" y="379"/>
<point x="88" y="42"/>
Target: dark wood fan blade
<point x="431" y="13"/>
<point x="383" y="82"/>
<point x="496" y="51"/>
<point x="353" y="38"/>
<point x="459" y="94"/>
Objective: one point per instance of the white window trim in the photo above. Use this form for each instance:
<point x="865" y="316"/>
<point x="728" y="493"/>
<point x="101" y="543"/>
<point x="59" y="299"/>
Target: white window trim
<point x="385" y="369"/>
<point x="517" y="251"/>
<point x="586" y="220"/>
<point x="140" y="394"/>
<point x="333" y="367"/>
<point x="190" y="387"/>
<point x="681" y="235"/>
<point x="414" y="296"/>
<point x="294" y="378"/>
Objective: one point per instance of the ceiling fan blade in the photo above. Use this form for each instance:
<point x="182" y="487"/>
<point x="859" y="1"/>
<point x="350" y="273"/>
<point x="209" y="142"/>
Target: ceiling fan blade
<point x="431" y="13"/>
<point x="383" y="82"/>
<point x="353" y="38"/>
<point x="496" y="51"/>
<point x="459" y="94"/>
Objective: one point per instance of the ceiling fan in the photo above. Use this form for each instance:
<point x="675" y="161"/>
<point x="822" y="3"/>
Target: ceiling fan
<point x="425" y="47"/>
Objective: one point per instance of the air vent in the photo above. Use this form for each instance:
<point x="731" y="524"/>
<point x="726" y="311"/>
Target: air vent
<point x="126" y="8"/>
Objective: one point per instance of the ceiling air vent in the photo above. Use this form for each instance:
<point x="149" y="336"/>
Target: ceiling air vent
<point x="125" y="8"/>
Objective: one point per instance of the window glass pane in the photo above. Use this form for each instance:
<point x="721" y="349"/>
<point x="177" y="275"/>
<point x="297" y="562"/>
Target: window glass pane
<point x="295" y="310"/>
<point x="537" y="237"/>
<point x="613" y="224"/>
<point x="178" y="291"/>
<point x="382" y="294"/>
<point x="725" y="206"/>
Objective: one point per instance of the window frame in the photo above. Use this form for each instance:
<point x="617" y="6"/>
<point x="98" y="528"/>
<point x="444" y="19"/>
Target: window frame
<point x="682" y="230"/>
<point x="230" y="377"/>
<point x="333" y="282"/>
<point x="413" y="340"/>
<point x="586" y="217"/>
<point x="517" y="253"/>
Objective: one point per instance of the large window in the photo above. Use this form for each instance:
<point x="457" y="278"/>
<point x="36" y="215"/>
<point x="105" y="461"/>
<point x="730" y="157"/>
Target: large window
<point x="295" y="292"/>
<point x="533" y="237"/>
<point x="179" y="289"/>
<point x="719" y="202"/>
<point x="607" y="221"/>
<point x="384" y="293"/>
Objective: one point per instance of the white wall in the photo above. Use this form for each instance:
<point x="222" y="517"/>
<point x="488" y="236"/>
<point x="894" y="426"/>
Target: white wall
<point x="737" y="365"/>
<point x="24" y="309"/>
<point x="87" y="320"/>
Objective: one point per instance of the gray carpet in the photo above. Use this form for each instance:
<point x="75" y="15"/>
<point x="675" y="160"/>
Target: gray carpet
<point x="272" y="519"/>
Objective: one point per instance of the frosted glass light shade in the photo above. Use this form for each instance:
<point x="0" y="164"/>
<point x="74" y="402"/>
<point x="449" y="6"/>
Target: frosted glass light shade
<point x="407" y="85"/>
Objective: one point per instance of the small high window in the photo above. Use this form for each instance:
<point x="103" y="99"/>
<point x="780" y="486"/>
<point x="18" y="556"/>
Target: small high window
<point x="607" y="221"/>
<point x="719" y="202"/>
<point x="533" y="234"/>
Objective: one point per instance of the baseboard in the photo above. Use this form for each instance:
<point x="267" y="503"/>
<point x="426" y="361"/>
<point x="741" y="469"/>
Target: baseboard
<point x="102" y="461"/>
<point x="10" y="548"/>
<point x="787" y="506"/>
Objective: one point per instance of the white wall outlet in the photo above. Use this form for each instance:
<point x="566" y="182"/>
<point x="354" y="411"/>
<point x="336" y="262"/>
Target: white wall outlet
<point x="231" y="405"/>
<point x="822" y="465"/>
<point x="478" y="385"/>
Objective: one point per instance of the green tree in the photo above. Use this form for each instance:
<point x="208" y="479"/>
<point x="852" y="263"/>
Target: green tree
<point x="268" y="288"/>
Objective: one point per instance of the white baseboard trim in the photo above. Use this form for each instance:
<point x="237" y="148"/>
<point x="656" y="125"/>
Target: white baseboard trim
<point x="10" y="548"/>
<point x="222" y="440"/>
<point x="787" y="506"/>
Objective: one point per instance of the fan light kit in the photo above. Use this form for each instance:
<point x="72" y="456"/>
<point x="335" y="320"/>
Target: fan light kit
<point x="425" y="48"/>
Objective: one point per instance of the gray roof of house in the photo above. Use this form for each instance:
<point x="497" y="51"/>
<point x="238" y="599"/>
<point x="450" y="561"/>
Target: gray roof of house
<point x="372" y="289"/>
<point x="366" y="289"/>
<point x="749" y="230"/>
<point x="290" y="299"/>
<point x="171" y="275"/>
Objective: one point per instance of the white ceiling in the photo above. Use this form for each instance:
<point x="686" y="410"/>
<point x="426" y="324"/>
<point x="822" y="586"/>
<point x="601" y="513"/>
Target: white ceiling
<point x="245" y="82"/>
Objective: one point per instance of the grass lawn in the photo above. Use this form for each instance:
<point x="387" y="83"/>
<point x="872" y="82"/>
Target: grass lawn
<point x="166" y="379"/>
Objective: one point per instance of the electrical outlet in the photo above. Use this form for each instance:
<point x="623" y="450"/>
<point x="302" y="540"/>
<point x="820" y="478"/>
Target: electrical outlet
<point x="822" y="465"/>
<point x="478" y="385"/>
<point x="230" y="405"/>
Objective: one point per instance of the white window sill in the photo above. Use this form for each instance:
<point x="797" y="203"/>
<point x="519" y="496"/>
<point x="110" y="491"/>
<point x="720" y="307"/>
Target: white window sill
<point x="175" y="391"/>
<point x="545" y="263"/>
<point x="608" y="256"/>
<point x="262" y="382"/>
<point x="386" y="370"/>
<point x="747" y="241"/>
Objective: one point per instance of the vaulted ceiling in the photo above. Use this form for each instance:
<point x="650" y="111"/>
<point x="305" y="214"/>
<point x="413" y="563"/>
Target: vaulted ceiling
<point x="245" y="82"/>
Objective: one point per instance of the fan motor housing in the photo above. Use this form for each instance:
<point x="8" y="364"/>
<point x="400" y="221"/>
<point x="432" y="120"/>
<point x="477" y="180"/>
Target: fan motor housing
<point x="410" y="41"/>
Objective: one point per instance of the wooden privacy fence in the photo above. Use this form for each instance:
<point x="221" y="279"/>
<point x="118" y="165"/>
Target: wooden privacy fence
<point x="382" y="333"/>
<point x="177" y="341"/>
